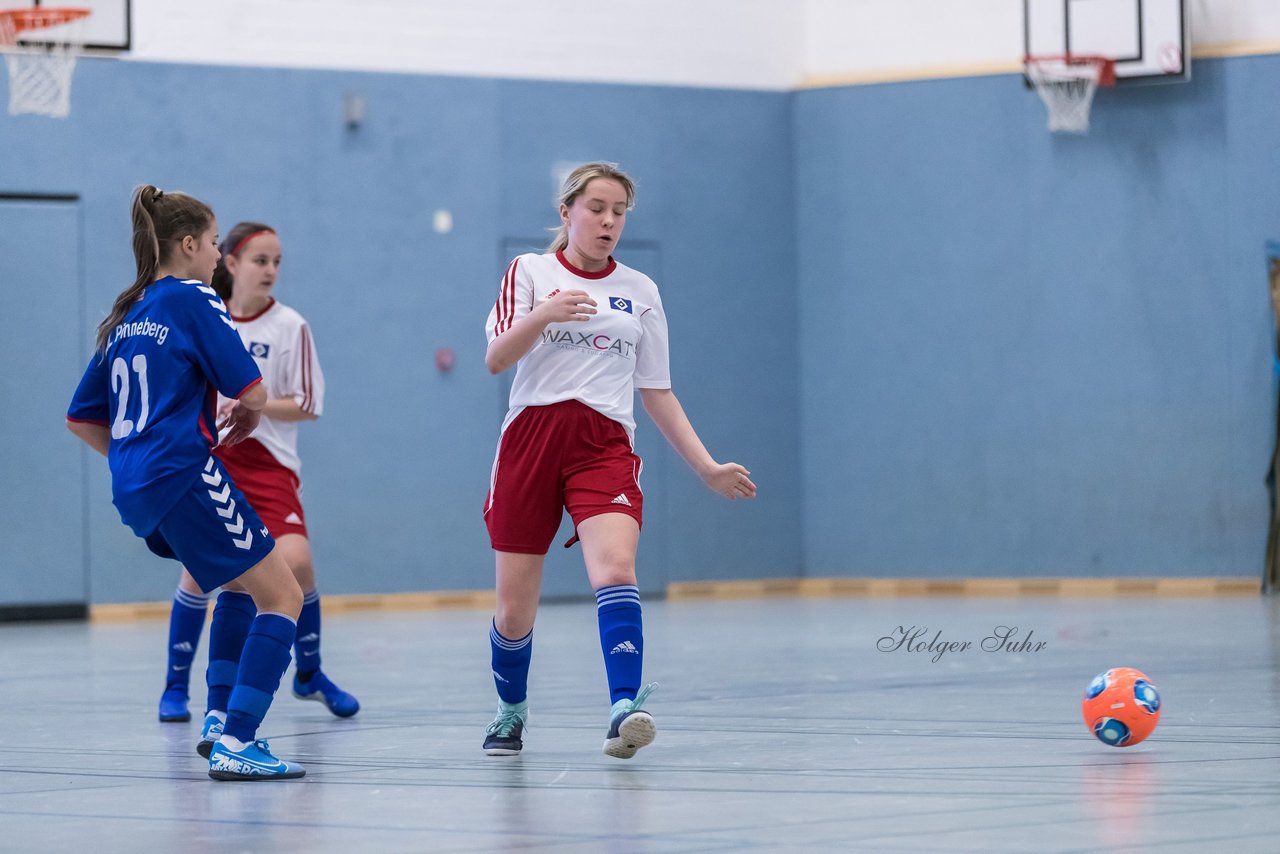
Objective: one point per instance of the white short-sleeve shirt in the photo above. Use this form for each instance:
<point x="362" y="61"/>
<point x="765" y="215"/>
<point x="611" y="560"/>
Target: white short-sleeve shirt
<point x="600" y="361"/>
<point x="279" y="340"/>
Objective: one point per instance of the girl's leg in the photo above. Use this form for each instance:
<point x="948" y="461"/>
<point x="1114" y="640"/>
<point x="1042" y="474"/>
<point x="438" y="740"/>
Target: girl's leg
<point x="278" y="599"/>
<point x="186" y="623"/>
<point x="609" y="542"/>
<point x="310" y="683"/>
<point x="233" y="617"/>
<point x="518" y="583"/>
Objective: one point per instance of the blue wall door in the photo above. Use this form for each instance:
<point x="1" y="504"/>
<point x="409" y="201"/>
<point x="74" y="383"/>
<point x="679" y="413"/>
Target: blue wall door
<point x="43" y="559"/>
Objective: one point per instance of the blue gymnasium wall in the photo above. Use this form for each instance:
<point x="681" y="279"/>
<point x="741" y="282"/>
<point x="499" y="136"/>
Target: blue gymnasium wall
<point x="397" y="468"/>
<point x="1028" y="354"/>
<point x="1017" y="354"/>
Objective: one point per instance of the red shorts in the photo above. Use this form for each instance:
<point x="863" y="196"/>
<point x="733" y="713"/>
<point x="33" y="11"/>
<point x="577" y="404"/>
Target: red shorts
<point x="553" y="458"/>
<point x="272" y="489"/>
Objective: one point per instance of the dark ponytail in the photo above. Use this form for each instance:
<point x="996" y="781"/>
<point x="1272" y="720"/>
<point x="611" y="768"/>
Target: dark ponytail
<point x="160" y="219"/>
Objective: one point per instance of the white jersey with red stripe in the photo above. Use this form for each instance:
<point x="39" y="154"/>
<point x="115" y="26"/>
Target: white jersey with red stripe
<point x="279" y="340"/>
<point x="600" y="361"/>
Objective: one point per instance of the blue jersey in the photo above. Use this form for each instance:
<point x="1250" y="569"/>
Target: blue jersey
<point x="156" y="387"/>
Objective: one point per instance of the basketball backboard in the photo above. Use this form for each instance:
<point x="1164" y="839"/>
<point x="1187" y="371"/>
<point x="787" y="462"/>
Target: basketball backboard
<point x="106" y="30"/>
<point x="1146" y="38"/>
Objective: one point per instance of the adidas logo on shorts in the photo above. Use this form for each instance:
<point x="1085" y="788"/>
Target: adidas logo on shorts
<point x="621" y="499"/>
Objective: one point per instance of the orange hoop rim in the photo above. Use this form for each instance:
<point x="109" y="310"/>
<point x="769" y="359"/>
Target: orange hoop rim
<point x="1106" y="66"/>
<point x="41" y="17"/>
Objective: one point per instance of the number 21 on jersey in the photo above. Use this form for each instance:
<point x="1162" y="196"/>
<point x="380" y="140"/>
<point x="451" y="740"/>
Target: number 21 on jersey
<point x="120" y="386"/>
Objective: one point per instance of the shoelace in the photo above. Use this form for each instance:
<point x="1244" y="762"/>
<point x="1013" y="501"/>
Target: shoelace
<point x="642" y="695"/>
<point x="261" y="744"/>
<point x="504" y="723"/>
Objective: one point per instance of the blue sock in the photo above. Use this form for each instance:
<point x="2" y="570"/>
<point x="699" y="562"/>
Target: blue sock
<point x="511" y="665"/>
<point x="306" y="649"/>
<point x="621" y="639"/>
<point x="232" y="616"/>
<point x="266" y="654"/>
<point x="186" y="623"/>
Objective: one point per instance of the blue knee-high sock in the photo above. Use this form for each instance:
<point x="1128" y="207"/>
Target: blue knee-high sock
<point x="511" y="664"/>
<point x="306" y="649"/>
<point x="266" y="655"/>
<point x="186" y="623"/>
<point x="232" y="616"/>
<point x="621" y="639"/>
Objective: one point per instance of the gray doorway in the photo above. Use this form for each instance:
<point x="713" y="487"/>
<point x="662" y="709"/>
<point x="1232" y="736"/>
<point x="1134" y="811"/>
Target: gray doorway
<point x="44" y="563"/>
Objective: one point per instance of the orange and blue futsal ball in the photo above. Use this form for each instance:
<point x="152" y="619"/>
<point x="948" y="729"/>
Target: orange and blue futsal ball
<point x="1121" y="707"/>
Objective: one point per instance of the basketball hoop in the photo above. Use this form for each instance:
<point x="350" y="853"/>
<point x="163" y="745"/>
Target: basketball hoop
<point x="40" y="74"/>
<point x="1066" y="84"/>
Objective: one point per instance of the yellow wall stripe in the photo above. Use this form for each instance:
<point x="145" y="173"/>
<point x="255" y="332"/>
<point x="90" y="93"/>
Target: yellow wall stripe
<point x="892" y="587"/>
<point x="693" y="591"/>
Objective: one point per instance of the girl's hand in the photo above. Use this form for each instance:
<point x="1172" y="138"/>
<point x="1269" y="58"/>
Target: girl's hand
<point x="242" y="421"/>
<point x="225" y="405"/>
<point x="730" y="480"/>
<point x="566" y="306"/>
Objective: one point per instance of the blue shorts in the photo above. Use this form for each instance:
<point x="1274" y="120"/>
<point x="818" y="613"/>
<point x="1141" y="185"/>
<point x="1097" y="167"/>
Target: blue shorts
<point x="212" y="530"/>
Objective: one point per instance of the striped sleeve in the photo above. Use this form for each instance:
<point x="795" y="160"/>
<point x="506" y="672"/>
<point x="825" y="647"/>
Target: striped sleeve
<point x="309" y="391"/>
<point x="515" y="299"/>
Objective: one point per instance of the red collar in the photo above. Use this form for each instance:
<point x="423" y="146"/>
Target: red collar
<point x="599" y="274"/>
<point x="271" y="301"/>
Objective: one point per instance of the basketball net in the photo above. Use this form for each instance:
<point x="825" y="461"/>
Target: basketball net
<point x="1067" y="84"/>
<point x="40" y="75"/>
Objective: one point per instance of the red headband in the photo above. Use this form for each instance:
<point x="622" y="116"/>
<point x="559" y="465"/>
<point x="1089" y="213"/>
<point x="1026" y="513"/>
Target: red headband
<point x="235" y="250"/>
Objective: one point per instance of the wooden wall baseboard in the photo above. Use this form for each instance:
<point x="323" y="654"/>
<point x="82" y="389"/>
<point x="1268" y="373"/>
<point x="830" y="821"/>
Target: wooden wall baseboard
<point x="888" y="587"/>
<point x="129" y="612"/>
<point x="764" y="588"/>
